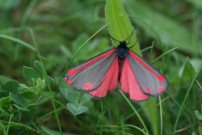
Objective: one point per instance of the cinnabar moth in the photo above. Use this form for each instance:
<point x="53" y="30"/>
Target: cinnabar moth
<point x="102" y="73"/>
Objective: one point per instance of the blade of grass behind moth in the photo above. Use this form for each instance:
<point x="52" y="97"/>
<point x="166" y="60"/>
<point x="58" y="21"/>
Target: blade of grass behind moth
<point x="136" y="112"/>
<point x="120" y="27"/>
<point x="18" y="41"/>
<point x="161" y="116"/>
<point x="165" y="53"/>
<point x="27" y="12"/>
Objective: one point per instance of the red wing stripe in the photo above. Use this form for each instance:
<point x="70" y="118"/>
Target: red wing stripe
<point x="97" y="58"/>
<point x="68" y="81"/>
<point x="161" y="89"/>
<point x="88" y="86"/>
<point x="129" y="83"/>
<point x="160" y="77"/>
<point x="109" y="82"/>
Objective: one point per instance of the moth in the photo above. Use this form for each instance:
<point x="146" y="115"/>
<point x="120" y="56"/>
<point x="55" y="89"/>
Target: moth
<point x="102" y="73"/>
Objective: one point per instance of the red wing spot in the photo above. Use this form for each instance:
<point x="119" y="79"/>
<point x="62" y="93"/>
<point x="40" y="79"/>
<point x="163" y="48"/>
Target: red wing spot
<point x="161" y="78"/>
<point x="68" y="81"/>
<point x="88" y="86"/>
<point x="160" y="89"/>
<point x="149" y="90"/>
<point x="71" y="72"/>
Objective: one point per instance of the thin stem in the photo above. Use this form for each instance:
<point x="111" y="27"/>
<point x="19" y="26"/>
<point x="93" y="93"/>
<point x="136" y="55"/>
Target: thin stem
<point x="87" y="42"/>
<point x="20" y="125"/>
<point x="17" y="41"/>
<point x="27" y="12"/>
<point x="135" y="111"/>
<point x="164" y="54"/>
<point x="125" y="126"/>
<point x="199" y="84"/>
<point x="8" y="127"/>
<point x="161" y="116"/>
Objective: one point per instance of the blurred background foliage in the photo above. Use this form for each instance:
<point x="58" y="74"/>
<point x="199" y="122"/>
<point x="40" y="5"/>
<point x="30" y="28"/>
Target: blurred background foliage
<point x="39" y="38"/>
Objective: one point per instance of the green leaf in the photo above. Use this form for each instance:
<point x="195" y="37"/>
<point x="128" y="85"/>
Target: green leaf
<point x="119" y="25"/>
<point x="29" y="94"/>
<point x="39" y="84"/>
<point x="18" y="99"/>
<point x="5" y="101"/>
<point x="78" y="101"/>
<point x="11" y="86"/>
<point x="162" y="28"/>
<point x="73" y="95"/>
<point x="39" y="68"/>
<point x="198" y="115"/>
<point x="69" y="93"/>
<point x="76" y="109"/>
<point x="30" y="73"/>
<point x="85" y="98"/>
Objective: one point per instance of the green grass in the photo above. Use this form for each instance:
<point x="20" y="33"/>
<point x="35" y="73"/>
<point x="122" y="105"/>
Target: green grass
<point x="40" y="40"/>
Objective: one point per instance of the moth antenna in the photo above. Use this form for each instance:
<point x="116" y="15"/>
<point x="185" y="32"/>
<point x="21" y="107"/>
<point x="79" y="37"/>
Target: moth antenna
<point x="114" y="38"/>
<point x="129" y="37"/>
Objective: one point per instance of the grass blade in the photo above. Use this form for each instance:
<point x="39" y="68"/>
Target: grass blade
<point x="184" y="100"/>
<point x="119" y="26"/>
<point x="17" y="41"/>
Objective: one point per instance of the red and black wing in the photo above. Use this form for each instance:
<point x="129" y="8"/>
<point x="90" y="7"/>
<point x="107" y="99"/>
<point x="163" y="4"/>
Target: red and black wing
<point x="139" y="79"/>
<point x="109" y="82"/>
<point x="150" y="80"/>
<point x="94" y="74"/>
<point x="129" y="83"/>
